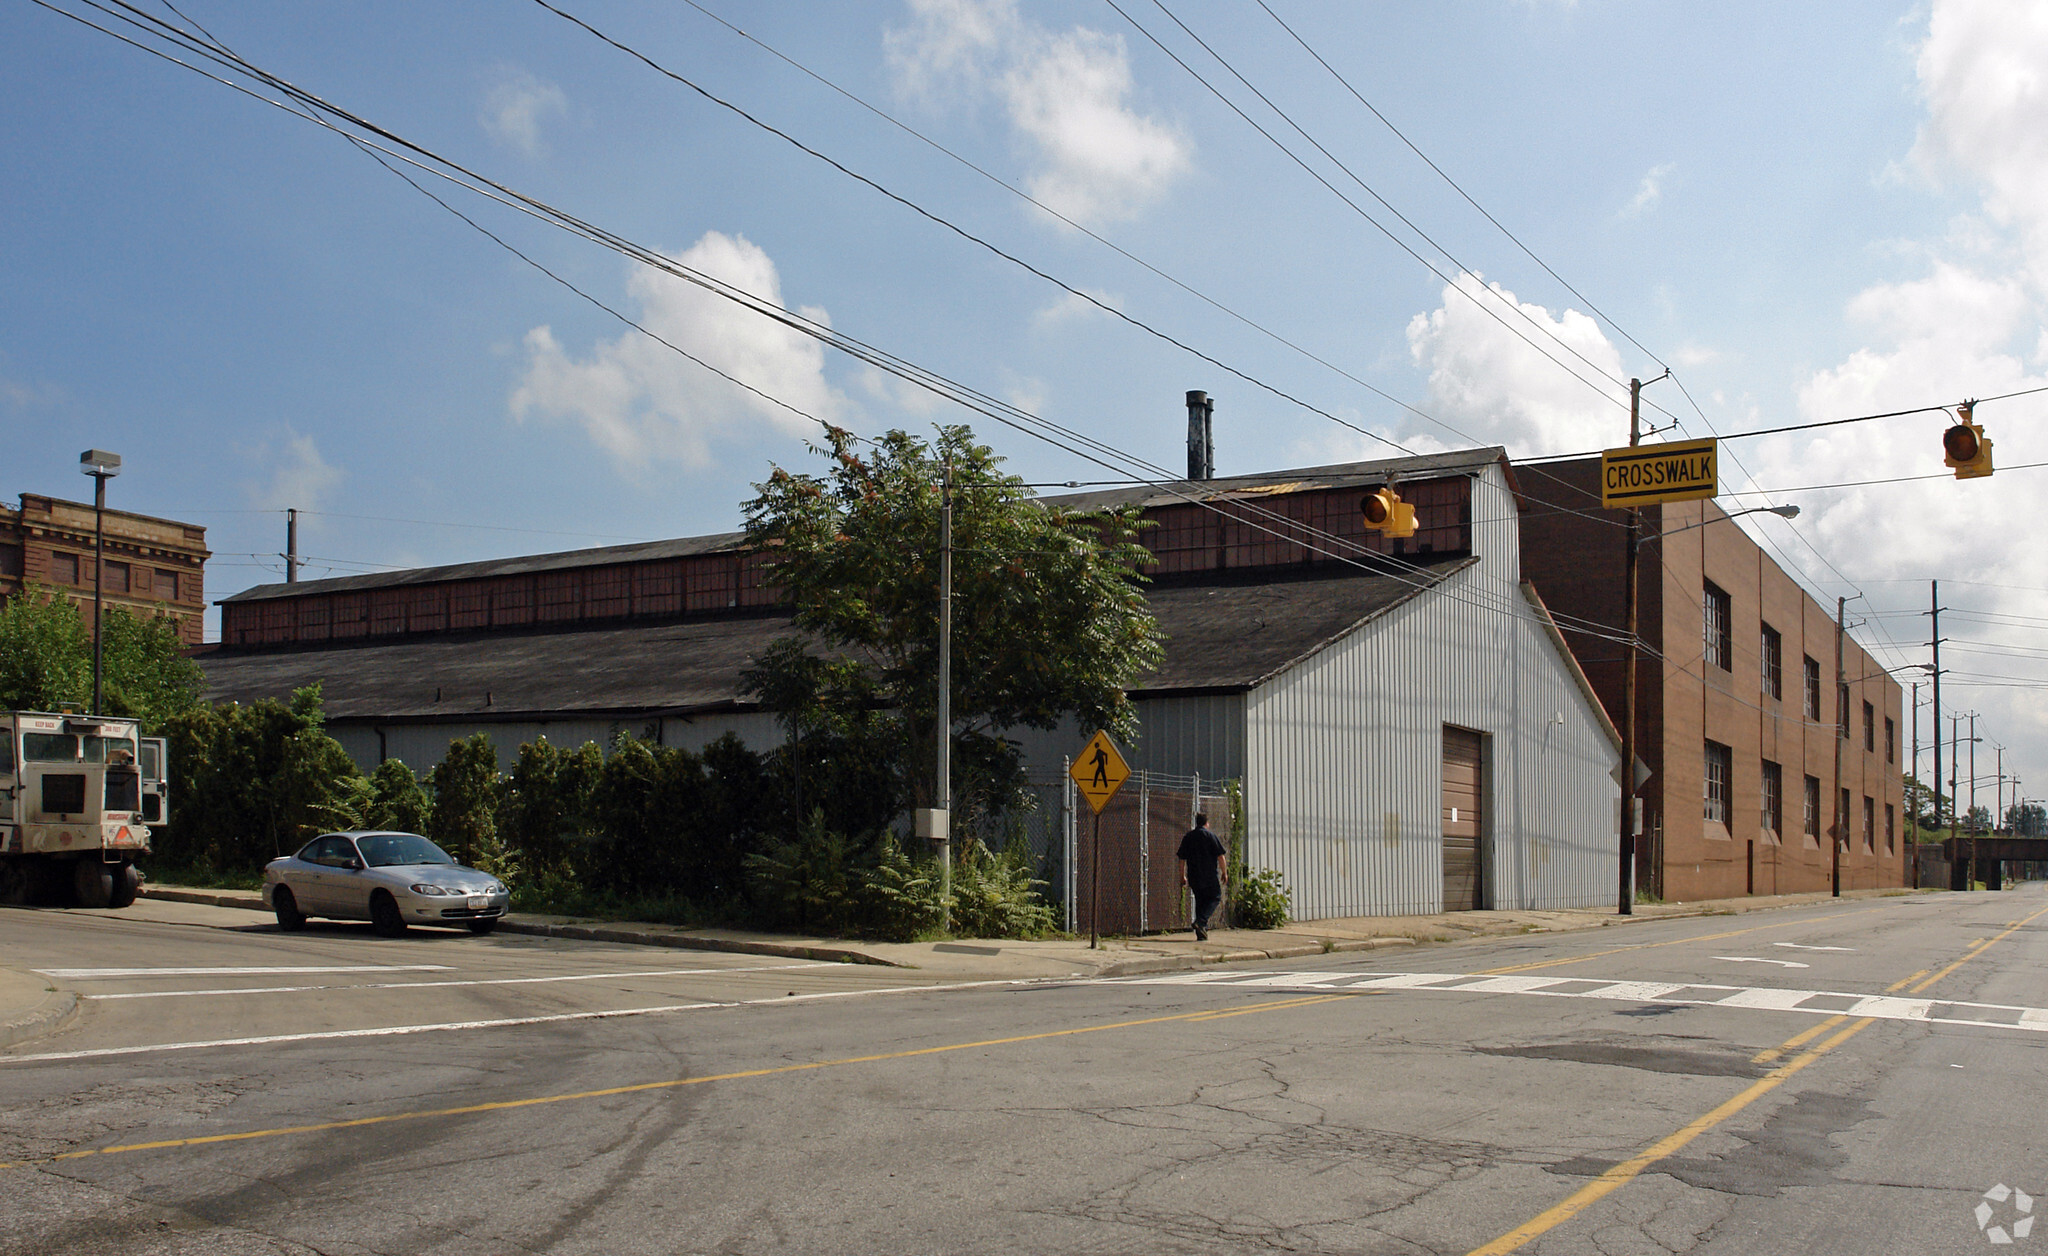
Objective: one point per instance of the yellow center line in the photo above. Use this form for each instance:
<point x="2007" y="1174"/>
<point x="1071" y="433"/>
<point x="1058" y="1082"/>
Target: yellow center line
<point x="1625" y="1172"/>
<point x="1621" y="1174"/>
<point x="507" y="1105"/>
<point x="1797" y="1040"/>
<point x="1644" y="946"/>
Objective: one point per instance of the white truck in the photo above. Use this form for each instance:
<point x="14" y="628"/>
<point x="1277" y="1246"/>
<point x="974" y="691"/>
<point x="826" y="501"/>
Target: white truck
<point x="77" y="796"/>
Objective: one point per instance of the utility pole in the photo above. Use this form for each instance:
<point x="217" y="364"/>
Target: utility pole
<point x="1934" y="601"/>
<point x="944" y="795"/>
<point x="1841" y="733"/>
<point x="1974" y="869"/>
<point x="1954" y="731"/>
<point x="291" y="547"/>
<point x="1628" y="677"/>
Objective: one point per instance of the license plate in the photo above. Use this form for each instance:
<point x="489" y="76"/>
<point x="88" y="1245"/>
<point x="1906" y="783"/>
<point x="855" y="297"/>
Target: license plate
<point x="477" y="902"/>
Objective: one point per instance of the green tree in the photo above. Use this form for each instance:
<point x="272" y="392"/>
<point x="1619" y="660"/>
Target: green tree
<point x="1048" y="617"/>
<point x="464" y="818"/>
<point x="249" y="783"/>
<point x="544" y="803"/>
<point x="46" y="660"/>
<point x="398" y="800"/>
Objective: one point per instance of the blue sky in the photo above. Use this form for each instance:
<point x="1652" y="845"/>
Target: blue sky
<point x="1808" y="211"/>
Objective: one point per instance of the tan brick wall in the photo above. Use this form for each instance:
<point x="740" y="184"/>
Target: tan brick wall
<point x="50" y="534"/>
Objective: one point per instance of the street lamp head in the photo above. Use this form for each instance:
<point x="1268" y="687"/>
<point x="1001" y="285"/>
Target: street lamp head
<point x="1785" y="512"/>
<point x="99" y="464"/>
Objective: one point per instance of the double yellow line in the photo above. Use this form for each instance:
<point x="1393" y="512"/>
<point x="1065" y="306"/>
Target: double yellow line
<point x="1628" y="1170"/>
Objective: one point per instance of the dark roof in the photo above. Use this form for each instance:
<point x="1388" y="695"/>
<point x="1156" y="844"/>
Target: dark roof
<point x="639" y="551"/>
<point x="1339" y="475"/>
<point x="1301" y="479"/>
<point x="1219" y="637"/>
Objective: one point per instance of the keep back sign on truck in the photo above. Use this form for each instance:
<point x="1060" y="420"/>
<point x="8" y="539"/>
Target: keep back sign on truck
<point x="1643" y="475"/>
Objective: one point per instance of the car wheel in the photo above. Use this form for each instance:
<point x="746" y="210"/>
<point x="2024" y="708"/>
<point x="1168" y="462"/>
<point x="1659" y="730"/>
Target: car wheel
<point x="127" y="884"/>
<point x="384" y="915"/>
<point x="92" y="882"/>
<point x="289" y="917"/>
<point x="483" y="926"/>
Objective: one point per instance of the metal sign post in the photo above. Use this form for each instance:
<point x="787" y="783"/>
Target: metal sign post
<point x="1098" y="773"/>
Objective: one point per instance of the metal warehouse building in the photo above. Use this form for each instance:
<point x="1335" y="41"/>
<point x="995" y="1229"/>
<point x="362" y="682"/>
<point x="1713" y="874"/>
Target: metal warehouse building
<point x="1410" y="731"/>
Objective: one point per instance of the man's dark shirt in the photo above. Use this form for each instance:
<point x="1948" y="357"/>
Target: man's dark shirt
<point x="1199" y="850"/>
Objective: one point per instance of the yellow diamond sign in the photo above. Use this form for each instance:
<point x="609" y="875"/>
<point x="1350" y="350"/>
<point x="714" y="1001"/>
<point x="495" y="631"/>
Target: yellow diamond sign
<point x="1100" y="771"/>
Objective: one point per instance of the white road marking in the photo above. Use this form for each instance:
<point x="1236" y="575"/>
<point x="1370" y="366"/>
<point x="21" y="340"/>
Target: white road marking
<point x="1699" y="994"/>
<point x="392" y="1031"/>
<point x="1758" y="959"/>
<point x="1800" y="946"/>
<point x="442" y="985"/>
<point x="114" y="974"/>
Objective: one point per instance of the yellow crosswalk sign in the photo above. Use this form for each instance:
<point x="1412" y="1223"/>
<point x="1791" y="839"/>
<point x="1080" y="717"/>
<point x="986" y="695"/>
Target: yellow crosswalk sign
<point x="1100" y="771"/>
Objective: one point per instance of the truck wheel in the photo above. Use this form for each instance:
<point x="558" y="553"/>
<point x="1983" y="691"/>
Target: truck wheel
<point x="92" y="882"/>
<point x="15" y="883"/>
<point x="289" y="917"/>
<point x="127" y="884"/>
<point x="384" y="915"/>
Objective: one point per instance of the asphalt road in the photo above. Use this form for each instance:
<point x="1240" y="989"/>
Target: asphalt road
<point x="1849" y="1078"/>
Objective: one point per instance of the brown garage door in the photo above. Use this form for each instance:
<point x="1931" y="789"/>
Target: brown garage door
<point x="1463" y="754"/>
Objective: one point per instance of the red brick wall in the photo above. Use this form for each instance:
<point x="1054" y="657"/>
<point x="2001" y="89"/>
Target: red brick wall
<point x="47" y="533"/>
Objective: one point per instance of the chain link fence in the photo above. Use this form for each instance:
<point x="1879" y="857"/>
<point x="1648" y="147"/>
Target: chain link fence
<point x="1139" y="879"/>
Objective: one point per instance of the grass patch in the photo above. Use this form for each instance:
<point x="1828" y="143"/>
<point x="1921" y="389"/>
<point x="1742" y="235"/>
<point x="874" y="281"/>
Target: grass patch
<point x="159" y="872"/>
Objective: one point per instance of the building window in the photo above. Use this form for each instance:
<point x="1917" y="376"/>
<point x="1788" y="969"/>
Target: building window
<point x="1720" y="762"/>
<point x="1812" y="691"/>
<point x="1773" y="666"/>
<point x="1891" y="839"/>
<point x="1869" y="823"/>
<point x="1813" y="807"/>
<point x="63" y="569"/>
<point x="1774" y="800"/>
<point x="10" y="560"/>
<point x="1869" y="729"/>
<point x="1842" y="710"/>
<point x="1720" y="646"/>
<point x="166" y="585"/>
<point x="116" y="577"/>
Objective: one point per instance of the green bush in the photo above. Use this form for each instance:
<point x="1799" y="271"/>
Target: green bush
<point x="1260" y="901"/>
<point x="994" y="895"/>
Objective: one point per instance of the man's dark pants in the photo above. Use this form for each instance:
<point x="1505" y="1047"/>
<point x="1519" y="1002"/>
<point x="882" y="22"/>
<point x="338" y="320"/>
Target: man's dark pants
<point x="1206" y="902"/>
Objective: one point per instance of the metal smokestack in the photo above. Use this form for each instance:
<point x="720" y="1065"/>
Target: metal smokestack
<point x="1201" y="437"/>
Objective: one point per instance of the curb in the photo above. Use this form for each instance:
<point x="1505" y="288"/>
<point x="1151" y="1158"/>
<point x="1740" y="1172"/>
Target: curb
<point x="53" y="1013"/>
<point x="581" y="933"/>
<point x="683" y="941"/>
<point x="1176" y="963"/>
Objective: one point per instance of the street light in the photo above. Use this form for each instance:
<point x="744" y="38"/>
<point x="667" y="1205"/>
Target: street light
<point x="101" y="466"/>
<point x="1783" y="512"/>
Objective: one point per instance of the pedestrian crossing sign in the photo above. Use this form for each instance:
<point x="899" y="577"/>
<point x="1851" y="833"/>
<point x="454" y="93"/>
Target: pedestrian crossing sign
<point x="1100" y="771"/>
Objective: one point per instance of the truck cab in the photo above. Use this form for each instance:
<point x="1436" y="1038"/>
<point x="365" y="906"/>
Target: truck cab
<point x="75" y="792"/>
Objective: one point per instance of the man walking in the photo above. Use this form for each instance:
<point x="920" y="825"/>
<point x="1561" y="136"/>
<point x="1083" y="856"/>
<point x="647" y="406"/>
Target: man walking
<point x="1202" y="855"/>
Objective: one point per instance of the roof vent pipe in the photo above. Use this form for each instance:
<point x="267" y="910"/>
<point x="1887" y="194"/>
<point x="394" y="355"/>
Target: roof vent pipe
<point x="1201" y="437"/>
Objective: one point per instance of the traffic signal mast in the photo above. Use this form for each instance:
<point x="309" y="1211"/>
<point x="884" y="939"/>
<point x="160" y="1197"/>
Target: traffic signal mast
<point x="1965" y="446"/>
<point x="1385" y="513"/>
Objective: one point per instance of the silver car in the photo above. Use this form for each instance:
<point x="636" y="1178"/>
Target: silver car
<point x="391" y="880"/>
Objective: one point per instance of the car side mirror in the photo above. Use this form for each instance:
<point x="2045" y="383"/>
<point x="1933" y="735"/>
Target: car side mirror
<point x="355" y="865"/>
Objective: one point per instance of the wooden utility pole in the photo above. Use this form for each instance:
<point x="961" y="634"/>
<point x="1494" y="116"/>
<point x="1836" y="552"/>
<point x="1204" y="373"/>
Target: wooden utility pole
<point x="1841" y="735"/>
<point x="1628" y="677"/>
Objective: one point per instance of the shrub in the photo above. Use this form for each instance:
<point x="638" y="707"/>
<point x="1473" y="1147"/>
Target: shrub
<point x="1260" y="901"/>
<point x="994" y="895"/>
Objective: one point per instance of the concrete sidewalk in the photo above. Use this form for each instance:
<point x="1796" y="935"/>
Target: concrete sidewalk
<point x="1064" y="957"/>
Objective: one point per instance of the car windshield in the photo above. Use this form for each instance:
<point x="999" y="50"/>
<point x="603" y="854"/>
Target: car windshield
<point x="390" y="850"/>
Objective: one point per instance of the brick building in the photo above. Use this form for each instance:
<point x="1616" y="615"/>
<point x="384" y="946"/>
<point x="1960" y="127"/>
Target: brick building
<point x="154" y="566"/>
<point x="1738" y="716"/>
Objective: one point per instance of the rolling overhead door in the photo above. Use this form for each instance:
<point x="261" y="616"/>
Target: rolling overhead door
<point x="1464" y="753"/>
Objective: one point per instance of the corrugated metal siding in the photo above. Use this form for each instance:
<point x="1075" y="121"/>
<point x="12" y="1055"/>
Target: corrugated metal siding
<point x="1198" y="736"/>
<point x="422" y="745"/>
<point x="1343" y="752"/>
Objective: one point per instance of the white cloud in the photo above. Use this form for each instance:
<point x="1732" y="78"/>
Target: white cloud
<point x="641" y="401"/>
<point x="1649" y="192"/>
<point x="1065" y="94"/>
<point x="514" y="107"/>
<point x="294" y="475"/>
<point x="1498" y="388"/>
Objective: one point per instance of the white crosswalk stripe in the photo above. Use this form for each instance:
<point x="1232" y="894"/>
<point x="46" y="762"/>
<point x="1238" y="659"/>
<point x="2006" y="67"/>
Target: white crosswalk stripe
<point x="1758" y="998"/>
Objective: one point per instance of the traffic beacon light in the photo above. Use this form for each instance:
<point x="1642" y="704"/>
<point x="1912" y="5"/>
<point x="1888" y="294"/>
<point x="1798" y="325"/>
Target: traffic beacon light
<point x="1968" y="450"/>
<point x="1386" y="513"/>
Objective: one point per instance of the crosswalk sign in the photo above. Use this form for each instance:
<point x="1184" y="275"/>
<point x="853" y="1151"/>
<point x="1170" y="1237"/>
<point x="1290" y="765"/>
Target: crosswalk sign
<point x="1100" y="771"/>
